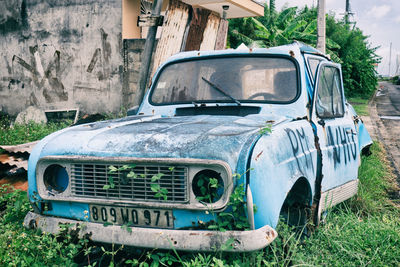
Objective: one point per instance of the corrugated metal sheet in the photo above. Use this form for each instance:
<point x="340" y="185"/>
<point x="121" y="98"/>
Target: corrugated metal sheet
<point x="13" y="161"/>
<point x="22" y="148"/>
<point x="14" y="164"/>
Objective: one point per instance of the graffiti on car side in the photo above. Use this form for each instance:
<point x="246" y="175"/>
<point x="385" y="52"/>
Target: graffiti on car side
<point x="300" y="147"/>
<point x="342" y="139"/>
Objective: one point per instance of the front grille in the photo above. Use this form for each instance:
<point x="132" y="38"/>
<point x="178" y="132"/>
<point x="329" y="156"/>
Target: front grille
<point x="88" y="180"/>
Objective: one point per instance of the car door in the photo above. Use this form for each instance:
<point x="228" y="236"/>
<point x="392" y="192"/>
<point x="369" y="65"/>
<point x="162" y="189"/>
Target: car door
<point x="337" y="136"/>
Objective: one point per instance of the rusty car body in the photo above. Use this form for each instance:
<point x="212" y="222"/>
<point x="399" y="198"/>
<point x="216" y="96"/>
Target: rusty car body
<point x="276" y="118"/>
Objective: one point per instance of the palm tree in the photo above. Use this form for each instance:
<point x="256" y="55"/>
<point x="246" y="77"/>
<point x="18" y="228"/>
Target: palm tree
<point x="278" y="28"/>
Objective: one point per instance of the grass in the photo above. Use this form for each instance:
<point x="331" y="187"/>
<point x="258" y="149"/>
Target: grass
<point x="364" y="230"/>
<point x="360" y="105"/>
<point x="23" y="133"/>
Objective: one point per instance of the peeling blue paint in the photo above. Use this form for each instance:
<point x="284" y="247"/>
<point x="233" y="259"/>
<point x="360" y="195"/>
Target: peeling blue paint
<point x="282" y="167"/>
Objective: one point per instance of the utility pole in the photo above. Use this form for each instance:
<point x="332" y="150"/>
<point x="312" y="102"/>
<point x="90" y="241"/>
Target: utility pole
<point x="347" y="13"/>
<point x="321" y="26"/>
<point x="148" y="48"/>
<point x="390" y="56"/>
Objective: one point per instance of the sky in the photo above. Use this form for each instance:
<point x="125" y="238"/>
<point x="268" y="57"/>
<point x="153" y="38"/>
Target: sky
<point x="378" y="19"/>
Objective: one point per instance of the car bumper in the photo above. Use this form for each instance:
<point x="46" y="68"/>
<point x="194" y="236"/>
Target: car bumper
<point x="187" y="240"/>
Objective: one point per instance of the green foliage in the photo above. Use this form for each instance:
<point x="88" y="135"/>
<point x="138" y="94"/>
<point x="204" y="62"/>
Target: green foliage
<point x="360" y="105"/>
<point x="364" y="230"/>
<point x="21" y="133"/>
<point x="22" y="247"/>
<point x="234" y="217"/>
<point x="266" y="129"/>
<point x="395" y="79"/>
<point x="345" y="45"/>
<point x="155" y="186"/>
<point x="356" y="56"/>
<point x="275" y="28"/>
<point x="209" y="188"/>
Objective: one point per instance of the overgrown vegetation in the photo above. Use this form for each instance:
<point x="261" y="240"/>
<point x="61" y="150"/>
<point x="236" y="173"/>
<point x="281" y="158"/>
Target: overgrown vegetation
<point x="23" y="133"/>
<point x="346" y="44"/>
<point x="362" y="231"/>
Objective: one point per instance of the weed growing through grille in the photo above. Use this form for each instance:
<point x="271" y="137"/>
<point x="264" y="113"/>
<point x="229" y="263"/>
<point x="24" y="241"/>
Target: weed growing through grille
<point x="156" y="188"/>
<point x="160" y="192"/>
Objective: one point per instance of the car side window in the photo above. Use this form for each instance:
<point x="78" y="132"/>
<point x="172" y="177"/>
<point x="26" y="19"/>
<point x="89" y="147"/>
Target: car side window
<point x="329" y="96"/>
<point x="313" y="65"/>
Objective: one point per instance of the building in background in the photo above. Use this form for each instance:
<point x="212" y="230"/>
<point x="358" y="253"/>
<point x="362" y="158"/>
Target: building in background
<point x="86" y="53"/>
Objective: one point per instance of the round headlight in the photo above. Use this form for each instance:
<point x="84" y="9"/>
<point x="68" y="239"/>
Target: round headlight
<point x="208" y="186"/>
<point x="56" y="178"/>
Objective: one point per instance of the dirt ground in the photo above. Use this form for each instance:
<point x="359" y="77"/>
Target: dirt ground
<point x="384" y="121"/>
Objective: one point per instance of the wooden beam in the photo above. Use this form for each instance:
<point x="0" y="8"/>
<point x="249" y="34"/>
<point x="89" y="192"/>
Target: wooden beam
<point x="197" y="27"/>
<point x="210" y="32"/>
<point x="222" y="34"/>
<point x="173" y="31"/>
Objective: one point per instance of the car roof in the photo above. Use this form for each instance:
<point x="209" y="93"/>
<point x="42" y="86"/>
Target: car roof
<point x="296" y="48"/>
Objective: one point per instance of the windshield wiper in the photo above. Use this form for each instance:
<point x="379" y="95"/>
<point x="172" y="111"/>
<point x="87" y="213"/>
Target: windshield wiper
<point x="221" y="91"/>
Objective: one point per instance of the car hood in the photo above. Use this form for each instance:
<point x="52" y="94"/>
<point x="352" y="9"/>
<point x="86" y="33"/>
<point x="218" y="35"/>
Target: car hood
<point x="204" y="137"/>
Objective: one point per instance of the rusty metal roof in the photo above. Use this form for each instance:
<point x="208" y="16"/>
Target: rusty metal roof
<point x="8" y="161"/>
<point x="14" y="164"/>
<point x="22" y="148"/>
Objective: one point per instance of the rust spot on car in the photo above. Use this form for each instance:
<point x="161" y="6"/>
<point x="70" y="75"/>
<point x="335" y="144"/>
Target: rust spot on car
<point x="270" y="235"/>
<point x="291" y="53"/>
<point x="193" y="234"/>
<point x="273" y="234"/>
<point x="209" y="234"/>
<point x="324" y="131"/>
<point x="258" y="156"/>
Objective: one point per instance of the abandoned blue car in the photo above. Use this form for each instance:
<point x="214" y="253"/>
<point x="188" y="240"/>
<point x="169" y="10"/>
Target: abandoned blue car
<point x="224" y="145"/>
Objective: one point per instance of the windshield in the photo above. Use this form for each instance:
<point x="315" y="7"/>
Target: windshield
<point x="228" y="79"/>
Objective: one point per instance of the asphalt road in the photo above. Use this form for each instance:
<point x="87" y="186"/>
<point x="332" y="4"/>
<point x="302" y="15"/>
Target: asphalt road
<point x="385" y="114"/>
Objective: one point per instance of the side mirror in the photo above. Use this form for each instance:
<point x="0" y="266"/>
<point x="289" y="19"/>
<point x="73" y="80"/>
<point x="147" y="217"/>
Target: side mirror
<point x="132" y="111"/>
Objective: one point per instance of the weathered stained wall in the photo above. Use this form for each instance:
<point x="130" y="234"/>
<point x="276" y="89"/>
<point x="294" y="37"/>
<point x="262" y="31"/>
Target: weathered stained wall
<point x="61" y="54"/>
<point x="133" y="49"/>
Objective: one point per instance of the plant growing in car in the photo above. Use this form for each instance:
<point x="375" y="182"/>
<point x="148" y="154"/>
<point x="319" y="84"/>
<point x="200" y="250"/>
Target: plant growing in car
<point x="128" y="170"/>
<point x="233" y="217"/>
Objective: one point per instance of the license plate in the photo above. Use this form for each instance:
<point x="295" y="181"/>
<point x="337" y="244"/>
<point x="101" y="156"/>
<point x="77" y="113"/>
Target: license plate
<point x="131" y="216"/>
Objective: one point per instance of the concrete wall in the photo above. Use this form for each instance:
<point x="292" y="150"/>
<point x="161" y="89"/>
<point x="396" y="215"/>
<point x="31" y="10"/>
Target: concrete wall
<point x="133" y="49"/>
<point x="61" y="54"/>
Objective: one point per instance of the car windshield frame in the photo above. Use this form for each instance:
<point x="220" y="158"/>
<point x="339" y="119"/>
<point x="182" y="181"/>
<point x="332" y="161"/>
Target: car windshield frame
<point x="227" y="100"/>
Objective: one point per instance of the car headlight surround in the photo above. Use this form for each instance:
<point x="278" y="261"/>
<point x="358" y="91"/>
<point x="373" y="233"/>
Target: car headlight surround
<point x="56" y="178"/>
<point x="208" y="186"/>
